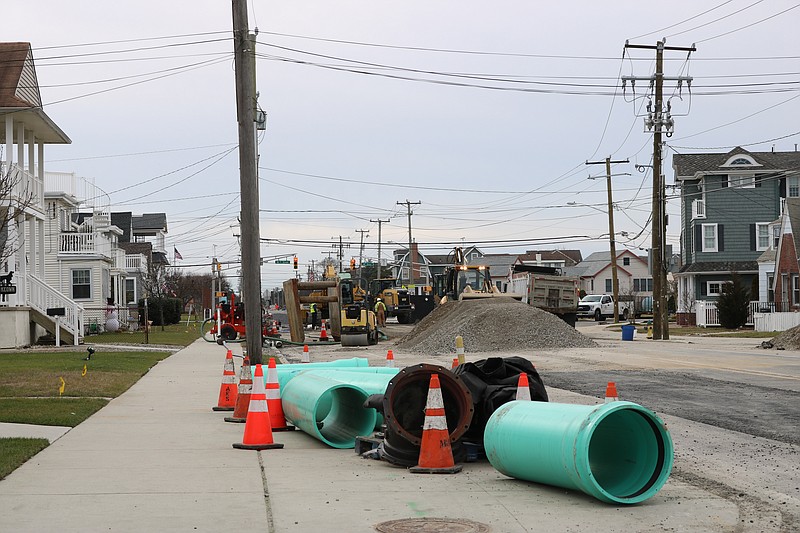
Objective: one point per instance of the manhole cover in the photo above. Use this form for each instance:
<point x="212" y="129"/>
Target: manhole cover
<point x="432" y="525"/>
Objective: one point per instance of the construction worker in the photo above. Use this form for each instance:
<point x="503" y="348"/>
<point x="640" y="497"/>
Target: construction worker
<point x="313" y="310"/>
<point x="380" y="311"/>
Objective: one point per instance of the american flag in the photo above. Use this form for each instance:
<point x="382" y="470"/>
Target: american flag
<point x="177" y="254"/>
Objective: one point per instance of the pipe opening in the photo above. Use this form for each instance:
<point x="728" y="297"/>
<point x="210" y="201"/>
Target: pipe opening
<point x="341" y="416"/>
<point x="627" y="453"/>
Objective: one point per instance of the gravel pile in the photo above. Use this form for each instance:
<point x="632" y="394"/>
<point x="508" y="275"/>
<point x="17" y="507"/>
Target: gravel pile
<point x="788" y="340"/>
<point x="491" y="325"/>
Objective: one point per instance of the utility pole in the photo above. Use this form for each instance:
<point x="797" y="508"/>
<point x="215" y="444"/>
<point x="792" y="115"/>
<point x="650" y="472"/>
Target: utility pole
<point x="245" y="67"/>
<point x="340" y="253"/>
<point x="410" y="259"/>
<point x="659" y="119"/>
<point x="611" y="235"/>
<point x="361" y="251"/>
<point x="380" y="222"/>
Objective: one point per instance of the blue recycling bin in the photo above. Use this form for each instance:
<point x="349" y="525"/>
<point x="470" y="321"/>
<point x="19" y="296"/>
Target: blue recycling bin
<point x="627" y="332"/>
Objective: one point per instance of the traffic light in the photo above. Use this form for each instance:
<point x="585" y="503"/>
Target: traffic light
<point x="352" y="263"/>
<point x="295" y="262"/>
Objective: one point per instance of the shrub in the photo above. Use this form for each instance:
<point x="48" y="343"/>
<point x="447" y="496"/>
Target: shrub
<point x="733" y="304"/>
<point x="171" y="310"/>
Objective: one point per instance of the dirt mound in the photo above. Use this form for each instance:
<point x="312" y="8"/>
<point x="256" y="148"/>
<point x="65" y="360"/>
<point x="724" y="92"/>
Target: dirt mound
<point x="788" y="340"/>
<point x="491" y="325"/>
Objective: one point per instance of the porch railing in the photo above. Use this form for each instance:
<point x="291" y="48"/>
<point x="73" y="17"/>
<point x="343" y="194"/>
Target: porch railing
<point x="41" y="297"/>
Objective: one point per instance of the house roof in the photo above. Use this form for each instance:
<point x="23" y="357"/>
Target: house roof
<point x="150" y="221"/>
<point x="132" y="248"/>
<point x="571" y="257"/>
<point x="596" y="262"/>
<point x="693" y="166"/>
<point x="19" y="92"/>
<point x="438" y="259"/>
<point x="720" y="266"/>
<point x="498" y="263"/>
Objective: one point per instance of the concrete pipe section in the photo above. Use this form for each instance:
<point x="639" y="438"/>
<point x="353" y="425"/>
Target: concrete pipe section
<point x="618" y="452"/>
<point x="404" y="412"/>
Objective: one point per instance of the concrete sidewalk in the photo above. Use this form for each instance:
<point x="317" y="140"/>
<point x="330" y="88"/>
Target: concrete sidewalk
<point x="159" y="459"/>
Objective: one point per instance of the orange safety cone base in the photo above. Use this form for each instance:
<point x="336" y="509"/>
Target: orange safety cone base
<point x="455" y="469"/>
<point x="273" y="446"/>
<point x="235" y="420"/>
<point x="284" y="428"/>
<point x="217" y="408"/>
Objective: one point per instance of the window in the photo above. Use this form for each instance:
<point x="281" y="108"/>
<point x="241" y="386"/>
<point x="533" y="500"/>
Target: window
<point x="642" y="284"/>
<point x="762" y="237"/>
<point x="626" y="261"/>
<point x="81" y="284"/>
<point x="743" y="182"/>
<point x="795" y="289"/>
<point x="709" y="238"/>
<point x="776" y="235"/>
<point x="793" y="186"/>
<point x="608" y="286"/>
<point x="771" y="286"/>
<point x="740" y="161"/>
<point x="713" y="288"/>
<point x="130" y="290"/>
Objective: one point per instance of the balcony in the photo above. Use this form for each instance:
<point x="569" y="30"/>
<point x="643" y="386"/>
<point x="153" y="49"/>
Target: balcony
<point x="135" y="262"/>
<point x="84" y="243"/>
<point x="25" y="186"/>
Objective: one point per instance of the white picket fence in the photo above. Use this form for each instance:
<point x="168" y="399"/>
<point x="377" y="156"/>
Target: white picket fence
<point x="760" y="315"/>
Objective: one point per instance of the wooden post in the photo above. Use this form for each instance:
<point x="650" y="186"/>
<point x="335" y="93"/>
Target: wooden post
<point x="335" y="314"/>
<point x="293" y="310"/>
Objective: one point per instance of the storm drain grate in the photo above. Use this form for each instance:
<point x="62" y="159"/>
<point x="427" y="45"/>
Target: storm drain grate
<point x="432" y="525"/>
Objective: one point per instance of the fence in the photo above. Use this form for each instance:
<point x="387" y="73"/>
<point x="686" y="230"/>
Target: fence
<point x="707" y="314"/>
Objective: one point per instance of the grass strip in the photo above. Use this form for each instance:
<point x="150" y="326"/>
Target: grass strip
<point x="15" y="451"/>
<point x="49" y="411"/>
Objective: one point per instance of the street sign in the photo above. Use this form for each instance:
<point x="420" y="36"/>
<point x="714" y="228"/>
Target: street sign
<point x="282" y="261"/>
<point x="368" y="264"/>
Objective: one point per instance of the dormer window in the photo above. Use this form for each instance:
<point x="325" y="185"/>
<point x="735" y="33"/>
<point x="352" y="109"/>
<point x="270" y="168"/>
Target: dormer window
<point x="740" y="161"/>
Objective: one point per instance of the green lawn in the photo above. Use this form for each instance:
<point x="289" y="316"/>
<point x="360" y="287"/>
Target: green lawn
<point x="14" y="452"/>
<point x="174" y="334"/>
<point x="30" y="391"/>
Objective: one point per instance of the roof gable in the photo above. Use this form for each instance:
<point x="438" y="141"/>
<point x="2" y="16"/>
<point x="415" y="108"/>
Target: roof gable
<point x="18" y="84"/>
<point x="693" y="166"/>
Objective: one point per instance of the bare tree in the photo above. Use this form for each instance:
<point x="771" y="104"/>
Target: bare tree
<point x="16" y="196"/>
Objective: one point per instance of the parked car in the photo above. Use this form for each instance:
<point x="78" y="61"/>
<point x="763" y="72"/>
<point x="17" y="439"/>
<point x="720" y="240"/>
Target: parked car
<point x="601" y="306"/>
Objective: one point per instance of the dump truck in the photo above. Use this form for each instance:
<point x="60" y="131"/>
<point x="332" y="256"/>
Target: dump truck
<point x="545" y="288"/>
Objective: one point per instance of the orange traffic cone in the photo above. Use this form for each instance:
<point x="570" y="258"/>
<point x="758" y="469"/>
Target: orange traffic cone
<point x="435" y="454"/>
<point x="455" y="362"/>
<point x="323" y="331"/>
<point x="390" y="359"/>
<point x="276" y="417"/>
<point x="257" y="429"/>
<point x="243" y="396"/>
<point x="523" y="388"/>
<point x="227" y="390"/>
<point x="306" y="356"/>
<point x="611" y="392"/>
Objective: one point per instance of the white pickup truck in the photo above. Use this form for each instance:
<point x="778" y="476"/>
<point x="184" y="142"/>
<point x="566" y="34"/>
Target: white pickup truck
<point x="600" y="306"/>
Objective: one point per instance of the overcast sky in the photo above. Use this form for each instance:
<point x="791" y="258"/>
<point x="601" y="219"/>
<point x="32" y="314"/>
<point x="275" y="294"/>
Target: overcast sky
<point x="485" y="112"/>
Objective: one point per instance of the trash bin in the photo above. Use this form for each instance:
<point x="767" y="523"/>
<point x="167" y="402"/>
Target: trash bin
<point x="627" y="332"/>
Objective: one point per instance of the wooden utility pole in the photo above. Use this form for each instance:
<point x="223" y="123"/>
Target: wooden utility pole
<point x="410" y="259"/>
<point x="612" y="243"/>
<point x="245" y="67"/>
<point x="361" y="253"/>
<point x="658" y="118"/>
<point x="379" y="221"/>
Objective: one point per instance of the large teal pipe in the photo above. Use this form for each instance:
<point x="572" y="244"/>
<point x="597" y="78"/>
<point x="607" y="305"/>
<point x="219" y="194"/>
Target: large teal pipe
<point x="373" y="380"/>
<point x="370" y="378"/>
<point x="618" y="452"/>
<point x="328" y="410"/>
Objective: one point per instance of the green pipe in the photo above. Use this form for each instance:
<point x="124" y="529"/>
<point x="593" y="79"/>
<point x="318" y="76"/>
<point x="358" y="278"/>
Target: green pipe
<point x="618" y="452"/>
<point x="353" y="362"/>
<point x="373" y="380"/>
<point x="358" y="376"/>
<point x="328" y="410"/>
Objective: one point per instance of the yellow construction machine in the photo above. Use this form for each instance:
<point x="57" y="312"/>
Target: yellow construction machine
<point x="359" y="326"/>
<point x="467" y="282"/>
